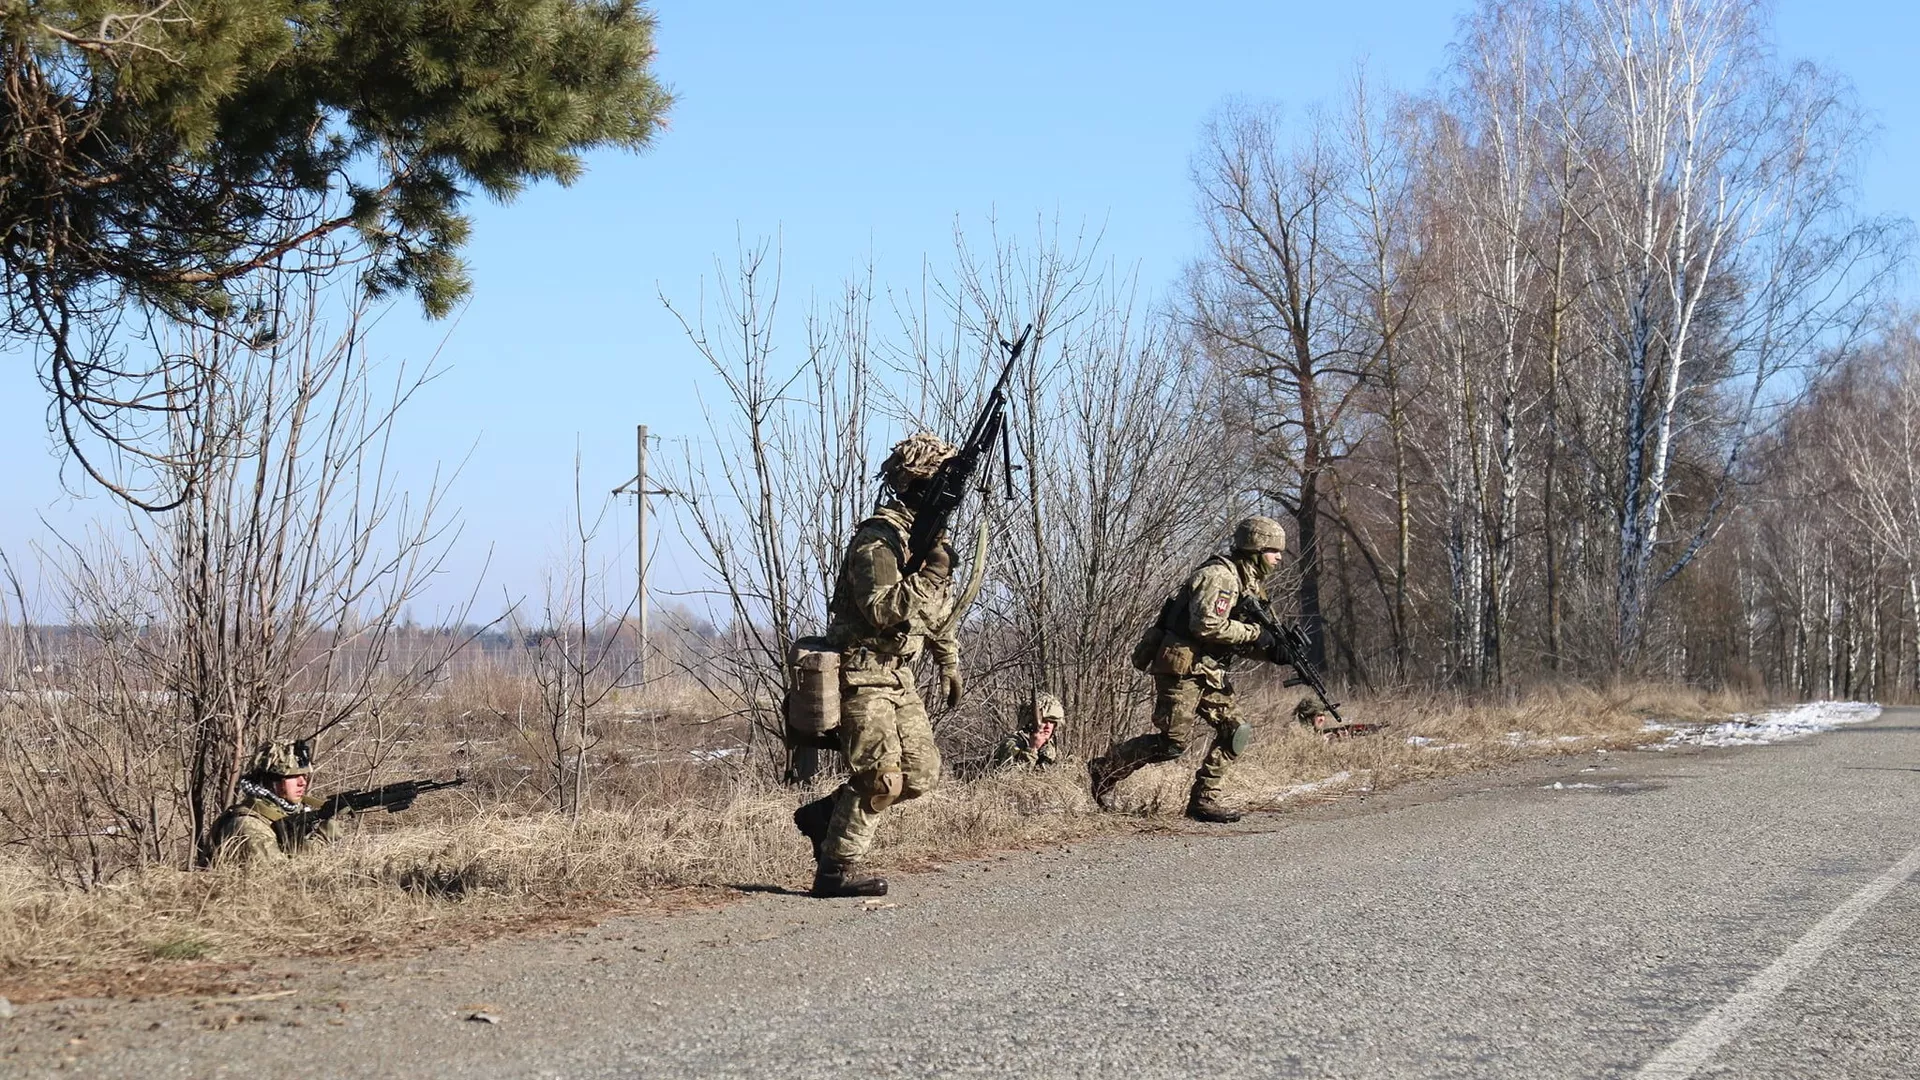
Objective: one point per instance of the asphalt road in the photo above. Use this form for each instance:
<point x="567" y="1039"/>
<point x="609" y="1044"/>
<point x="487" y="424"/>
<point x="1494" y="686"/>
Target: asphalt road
<point x="1746" y="913"/>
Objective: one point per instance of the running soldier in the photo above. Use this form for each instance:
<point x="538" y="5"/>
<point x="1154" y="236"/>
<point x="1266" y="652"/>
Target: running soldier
<point x="880" y="619"/>
<point x="1188" y="650"/>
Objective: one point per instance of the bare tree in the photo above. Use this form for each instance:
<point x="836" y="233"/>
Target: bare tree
<point x="266" y="605"/>
<point x="1726" y="251"/>
<point x="1879" y="448"/>
<point x="1263" y="301"/>
<point x="788" y="478"/>
<point x="574" y="669"/>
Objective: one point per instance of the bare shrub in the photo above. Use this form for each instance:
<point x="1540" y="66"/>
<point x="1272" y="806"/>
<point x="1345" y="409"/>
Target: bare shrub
<point x="266" y="605"/>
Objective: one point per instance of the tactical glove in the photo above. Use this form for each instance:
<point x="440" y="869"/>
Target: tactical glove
<point x="1266" y="647"/>
<point x="950" y="679"/>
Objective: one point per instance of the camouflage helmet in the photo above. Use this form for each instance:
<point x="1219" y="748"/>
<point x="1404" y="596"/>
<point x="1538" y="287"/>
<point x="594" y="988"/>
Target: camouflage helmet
<point x="282" y="759"/>
<point x="1045" y="708"/>
<point x="1259" y="534"/>
<point x="914" y="458"/>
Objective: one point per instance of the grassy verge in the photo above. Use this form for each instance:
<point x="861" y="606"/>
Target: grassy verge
<point x="496" y="872"/>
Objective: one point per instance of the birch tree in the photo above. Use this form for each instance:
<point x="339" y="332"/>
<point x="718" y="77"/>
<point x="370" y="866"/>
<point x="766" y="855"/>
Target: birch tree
<point x="1727" y="251"/>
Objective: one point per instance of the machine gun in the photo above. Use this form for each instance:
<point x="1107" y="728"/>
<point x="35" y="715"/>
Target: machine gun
<point x="1291" y="647"/>
<point x="392" y="798"/>
<point x="947" y="488"/>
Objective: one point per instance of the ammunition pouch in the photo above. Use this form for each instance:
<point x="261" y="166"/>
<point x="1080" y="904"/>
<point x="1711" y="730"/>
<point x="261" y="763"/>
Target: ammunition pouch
<point x="866" y="668"/>
<point x="1176" y="656"/>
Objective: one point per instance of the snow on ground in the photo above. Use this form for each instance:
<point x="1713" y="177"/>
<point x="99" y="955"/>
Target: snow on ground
<point x="1421" y="742"/>
<point x="1527" y="738"/>
<point x="1336" y="780"/>
<point x="1779" y="725"/>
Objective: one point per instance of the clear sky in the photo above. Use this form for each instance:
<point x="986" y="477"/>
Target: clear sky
<point x="857" y="132"/>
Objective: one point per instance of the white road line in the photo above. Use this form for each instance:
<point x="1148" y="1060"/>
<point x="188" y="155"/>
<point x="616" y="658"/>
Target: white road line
<point x="1692" y="1050"/>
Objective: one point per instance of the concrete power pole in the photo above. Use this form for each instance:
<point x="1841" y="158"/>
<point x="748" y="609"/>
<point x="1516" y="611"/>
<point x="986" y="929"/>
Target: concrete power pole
<point x="638" y="488"/>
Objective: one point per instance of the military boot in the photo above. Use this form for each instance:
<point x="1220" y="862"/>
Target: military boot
<point x="813" y="819"/>
<point x="1201" y="806"/>
<point x="832" y="878"/>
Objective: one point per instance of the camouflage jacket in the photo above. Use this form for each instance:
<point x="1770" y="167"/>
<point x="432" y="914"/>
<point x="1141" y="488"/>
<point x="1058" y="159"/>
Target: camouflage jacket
<point x="1201" y="610"/>
<point x="1016" y="750"/>
<point x="262" y="826"/>
<point x="879" y="607"/>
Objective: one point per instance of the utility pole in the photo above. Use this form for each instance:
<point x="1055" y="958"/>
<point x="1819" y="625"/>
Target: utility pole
<point x="637" y="487"/>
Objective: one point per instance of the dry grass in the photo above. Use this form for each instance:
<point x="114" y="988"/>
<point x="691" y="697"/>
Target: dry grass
<point x="485" y="872"/>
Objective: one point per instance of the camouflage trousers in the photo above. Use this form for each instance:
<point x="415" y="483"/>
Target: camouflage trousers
<point x="890" y="752"/>
<point x="1179" y="702"/>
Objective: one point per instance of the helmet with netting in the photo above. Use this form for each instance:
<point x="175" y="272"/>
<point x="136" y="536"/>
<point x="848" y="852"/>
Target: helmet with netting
<point x="914" y="459"/>
<point x="1259" y="534"/>
<point x="1045" y="708"/>
<point x="282" y="759"/>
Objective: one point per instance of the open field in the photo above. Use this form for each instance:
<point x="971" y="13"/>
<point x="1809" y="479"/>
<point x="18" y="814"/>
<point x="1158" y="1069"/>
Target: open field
<point x="462" y="870"/>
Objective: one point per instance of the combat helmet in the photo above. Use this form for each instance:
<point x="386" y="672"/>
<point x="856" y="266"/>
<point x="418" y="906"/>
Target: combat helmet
<point x="914" y="460"/>
<point x="1045" y="707"/>
<point x="286" y="758"/>
<point x="1259" y="534"/>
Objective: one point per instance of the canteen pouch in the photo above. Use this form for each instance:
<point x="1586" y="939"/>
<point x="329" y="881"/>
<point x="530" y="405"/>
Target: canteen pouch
<point x="813" y="700"/>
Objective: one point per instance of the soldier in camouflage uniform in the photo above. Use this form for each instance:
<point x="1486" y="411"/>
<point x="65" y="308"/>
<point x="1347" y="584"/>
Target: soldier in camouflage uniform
<point x="881" y="618"/>
<point x="1187" y="651"/>
<point x="273" y="815"/>
<point x="1032" y="746"/>
<point x="1308" y="712"/>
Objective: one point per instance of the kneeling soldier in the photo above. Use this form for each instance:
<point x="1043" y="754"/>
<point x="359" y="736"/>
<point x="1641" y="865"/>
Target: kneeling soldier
<point x="1032" y="746"/>
<point x="880" y="618"/>
<point x="1191" y="644"/>
<point x="273" y="816"/>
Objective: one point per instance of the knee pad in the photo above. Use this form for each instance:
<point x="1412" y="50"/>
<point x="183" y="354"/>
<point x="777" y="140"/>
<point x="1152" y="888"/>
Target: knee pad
<point x="883" y="790"/>
<point x="1168" y="749"/>
<point x="1234" y="736"/>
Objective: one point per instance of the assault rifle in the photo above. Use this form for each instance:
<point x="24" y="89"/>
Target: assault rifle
<point x="1291" y="647"/>
<point x="392" y="798"/>
<point x="947" y="488"/>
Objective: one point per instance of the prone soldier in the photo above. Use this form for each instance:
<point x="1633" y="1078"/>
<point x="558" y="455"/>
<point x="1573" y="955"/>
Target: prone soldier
<point x="1187" y="650"/>
<point x="881" y="618"/>
<point x="272" y="816"/>
<point x="1032" y="746"/>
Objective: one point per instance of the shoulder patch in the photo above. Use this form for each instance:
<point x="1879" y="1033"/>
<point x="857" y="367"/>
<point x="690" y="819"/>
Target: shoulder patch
<point x="1221" y="604"/>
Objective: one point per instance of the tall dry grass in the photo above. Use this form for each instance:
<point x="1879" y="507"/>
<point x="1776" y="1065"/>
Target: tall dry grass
<point x="471" y="870"/>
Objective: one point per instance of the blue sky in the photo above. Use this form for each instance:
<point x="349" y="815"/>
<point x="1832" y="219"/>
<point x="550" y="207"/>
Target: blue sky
<point x="857" y="132"/>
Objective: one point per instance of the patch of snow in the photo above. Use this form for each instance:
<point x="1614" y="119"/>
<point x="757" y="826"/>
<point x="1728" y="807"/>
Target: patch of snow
<point x="1527" y="738"/>
<point x="1558" y="786"/>
<point x="1421" y="742"/>
<point x="1760" y="729"/>
<point x="1335" y="780"/>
